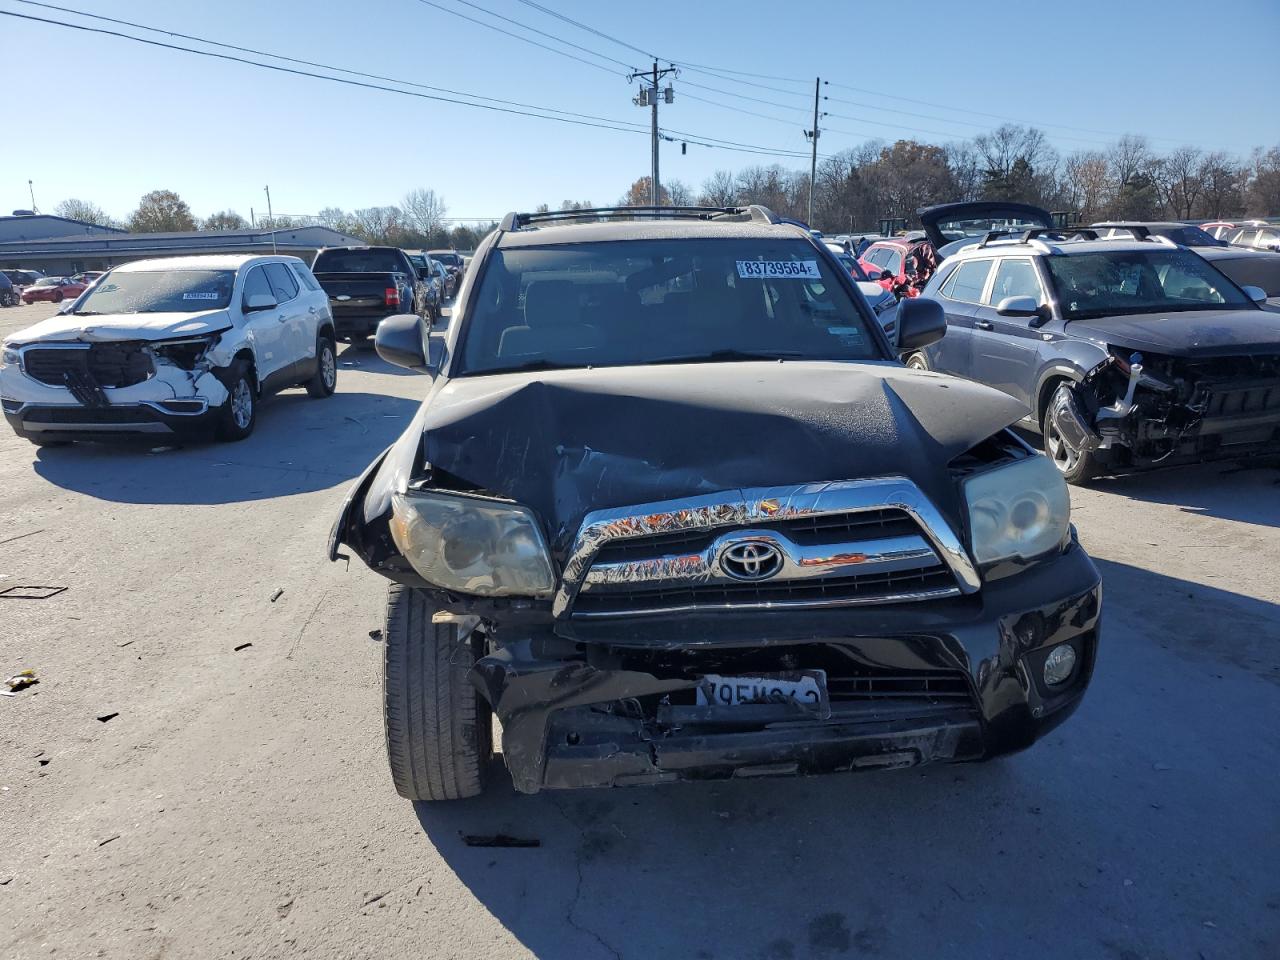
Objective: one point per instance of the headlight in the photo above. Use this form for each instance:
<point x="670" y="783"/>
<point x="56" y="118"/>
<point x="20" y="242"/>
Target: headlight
<point x="8" y="355"/>
<point x="472" y="545"/>
<point x="1019" y="511"/>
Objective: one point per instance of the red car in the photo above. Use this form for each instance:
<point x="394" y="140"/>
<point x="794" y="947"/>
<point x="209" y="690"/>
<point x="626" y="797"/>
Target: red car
<point x="902" y="265"/>
<point x="53" y="289"/>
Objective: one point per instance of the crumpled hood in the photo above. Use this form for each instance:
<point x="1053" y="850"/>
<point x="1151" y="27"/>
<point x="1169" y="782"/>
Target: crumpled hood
<point x="123" y="326"/>
<point x="568" y="442"/>
<point x="1198" y="333"/>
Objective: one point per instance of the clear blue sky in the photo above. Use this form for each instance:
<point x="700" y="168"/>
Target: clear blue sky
<point x="107" y="119"/>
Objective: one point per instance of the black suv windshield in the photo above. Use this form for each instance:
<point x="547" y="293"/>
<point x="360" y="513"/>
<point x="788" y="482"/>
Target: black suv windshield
<point x="661" y="301"/>
<point x="1139" y="281"/>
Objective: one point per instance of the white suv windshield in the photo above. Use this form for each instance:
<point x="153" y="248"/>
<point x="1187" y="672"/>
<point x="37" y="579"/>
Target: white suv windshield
<point x="168" y="291"/>
<point x="651" y="301"/>
<point x="1146" y="281"/>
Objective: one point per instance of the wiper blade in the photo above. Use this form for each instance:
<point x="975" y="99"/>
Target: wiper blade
<point x="733" y="356"/>
<point x="86" y="313"/>
<point x="534" y="365"/>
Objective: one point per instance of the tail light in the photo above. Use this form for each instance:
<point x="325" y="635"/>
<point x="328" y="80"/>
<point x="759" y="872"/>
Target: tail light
<point x="391" y="297"/>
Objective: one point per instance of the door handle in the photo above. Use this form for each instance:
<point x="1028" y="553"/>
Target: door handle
<point x="984" y="325"/>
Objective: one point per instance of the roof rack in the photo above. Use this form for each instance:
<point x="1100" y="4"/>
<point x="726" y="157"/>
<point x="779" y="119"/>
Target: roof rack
<point x="1038" y="233"/>
<point x="754" y="212"/>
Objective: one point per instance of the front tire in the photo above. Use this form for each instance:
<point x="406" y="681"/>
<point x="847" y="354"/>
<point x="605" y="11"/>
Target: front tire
<point x="325" y="380"/>
<point x="438" y="727"/>
<point x="917" y="361"/>
<point x="1077" y="467"/>
<point x="239" y="413"/>
<point x="57" y="296"/>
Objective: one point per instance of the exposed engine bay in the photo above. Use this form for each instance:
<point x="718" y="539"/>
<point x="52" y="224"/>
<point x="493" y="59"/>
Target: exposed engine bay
<point x="1149" y="409"/>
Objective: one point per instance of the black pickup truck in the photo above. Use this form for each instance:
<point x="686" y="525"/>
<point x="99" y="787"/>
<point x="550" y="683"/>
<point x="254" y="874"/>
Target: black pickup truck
<point x="366" y="285"/>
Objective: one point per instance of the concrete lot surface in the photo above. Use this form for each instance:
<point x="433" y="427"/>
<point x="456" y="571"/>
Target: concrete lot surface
<point x="237" y="803"/>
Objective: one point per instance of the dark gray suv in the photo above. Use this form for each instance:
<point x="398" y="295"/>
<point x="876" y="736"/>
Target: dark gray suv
<point x="672" y="509"/>
<point x="1126" y="353"/>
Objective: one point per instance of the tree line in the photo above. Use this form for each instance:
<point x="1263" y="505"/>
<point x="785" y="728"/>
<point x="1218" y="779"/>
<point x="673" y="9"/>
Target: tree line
<point x="416" y="222"/>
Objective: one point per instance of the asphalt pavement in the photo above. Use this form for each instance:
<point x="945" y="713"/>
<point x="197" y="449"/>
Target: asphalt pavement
<point x="200" y="771"/>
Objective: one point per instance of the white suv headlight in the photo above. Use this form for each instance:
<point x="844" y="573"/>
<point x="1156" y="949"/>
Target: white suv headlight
<point x="8" y="355"/>
<point x="472" y="545"/>
<point x="1019" y="511"/>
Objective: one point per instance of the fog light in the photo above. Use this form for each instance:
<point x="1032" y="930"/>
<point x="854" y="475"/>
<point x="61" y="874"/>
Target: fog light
<point x="1059" y="664"/>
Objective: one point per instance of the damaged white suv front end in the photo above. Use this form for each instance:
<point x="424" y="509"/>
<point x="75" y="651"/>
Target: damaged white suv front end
<point x="178" y="346"/>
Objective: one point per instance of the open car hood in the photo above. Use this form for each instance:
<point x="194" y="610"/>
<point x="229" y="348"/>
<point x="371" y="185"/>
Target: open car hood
<point x="123" y="326"/>
<point x="568" y="442"/>
<point x="942" y="222"/>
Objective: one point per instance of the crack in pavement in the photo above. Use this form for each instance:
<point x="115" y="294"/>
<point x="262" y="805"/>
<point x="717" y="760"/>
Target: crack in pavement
<point x="577" y="890"/>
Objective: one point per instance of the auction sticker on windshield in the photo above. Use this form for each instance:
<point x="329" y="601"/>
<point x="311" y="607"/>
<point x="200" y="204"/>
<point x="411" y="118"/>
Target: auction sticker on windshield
<point x="779" y="270"/>
<point x="806" y="687"/>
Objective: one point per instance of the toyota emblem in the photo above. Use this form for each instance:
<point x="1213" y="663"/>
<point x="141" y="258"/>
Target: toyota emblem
<point x="751" y="560"/>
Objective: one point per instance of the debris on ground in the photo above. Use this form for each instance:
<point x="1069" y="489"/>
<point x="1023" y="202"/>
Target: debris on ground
<point x="103" y="843"/>
<point x="375" y="635"/>
<point x="124" y="643"/>
<point x="29" y="533"/>
<point x="108" y="716"/>
<point x="21" y="592"/>
<point x="276" y="596"/>
<point x="23" y="679"/>
<point x="242" y="646"/>
<point x="375" y="898"/>
<point x="498" y="840"/>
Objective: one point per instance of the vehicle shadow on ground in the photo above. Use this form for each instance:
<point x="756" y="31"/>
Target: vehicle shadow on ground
<point x="1246" y="490"/>
<point x="299" y="445"/>
<point x="365" y="359"/>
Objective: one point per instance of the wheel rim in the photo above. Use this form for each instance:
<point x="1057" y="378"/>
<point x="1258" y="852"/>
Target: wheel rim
<point x="328" y="366"/>
<point x="242" y="404"/>
<point x="915" y="362"/>
<point x="1064" y="456"/>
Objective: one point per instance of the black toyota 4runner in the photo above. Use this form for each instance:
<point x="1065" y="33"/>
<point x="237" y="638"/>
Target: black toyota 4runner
<point x="672" y="509"/>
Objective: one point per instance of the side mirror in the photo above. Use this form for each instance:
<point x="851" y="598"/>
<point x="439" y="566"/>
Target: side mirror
<point x="1018" y="307"/>
<point x="402" y="340"/>
<point x="886" y="275"/>
<point x="1256" y="294"/>
<point x="260" y="301"/>
<point x="920" y="322"/>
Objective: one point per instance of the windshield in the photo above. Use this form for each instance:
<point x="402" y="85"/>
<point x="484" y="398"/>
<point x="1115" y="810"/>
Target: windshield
<point x="448" y="259"/>
<point x="651" y="301"/>
<point x="48" y="282"/>
<point x="357" y="261"/>
<point x="156" y="291"/>
<point x="1139" y="281"/>
<point x="853" y="266"/>
<point x="1192" y="237"/>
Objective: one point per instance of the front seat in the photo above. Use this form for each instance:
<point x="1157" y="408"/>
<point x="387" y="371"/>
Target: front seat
<point x="552" y="323"/>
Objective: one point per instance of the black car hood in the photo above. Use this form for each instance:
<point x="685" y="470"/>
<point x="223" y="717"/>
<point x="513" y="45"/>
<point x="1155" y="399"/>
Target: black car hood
<point x="568" y="442"/>
<point x="1199" y="333"/>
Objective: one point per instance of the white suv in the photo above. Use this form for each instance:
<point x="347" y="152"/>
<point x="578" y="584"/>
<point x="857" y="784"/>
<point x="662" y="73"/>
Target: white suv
<point x="176" y="345"/>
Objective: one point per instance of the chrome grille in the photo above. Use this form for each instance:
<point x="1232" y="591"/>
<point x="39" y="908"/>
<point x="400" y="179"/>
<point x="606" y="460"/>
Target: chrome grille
<point x="835" y="544"/>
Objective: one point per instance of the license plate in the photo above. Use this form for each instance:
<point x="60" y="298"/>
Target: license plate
<point x="805" y="687"/>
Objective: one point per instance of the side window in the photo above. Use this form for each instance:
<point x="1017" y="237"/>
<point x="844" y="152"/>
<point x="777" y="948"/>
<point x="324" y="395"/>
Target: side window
<point x="967" y="282"/>
<point x="305" y="276"/>
<point x="282" y="283"/>
<point x="1015" y="278"/>
<point x="893" y="262"/>
<point x="256" y="283"/>
<point x="876" y="256"/>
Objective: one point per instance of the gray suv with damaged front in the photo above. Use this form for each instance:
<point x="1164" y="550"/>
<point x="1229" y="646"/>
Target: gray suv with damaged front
<point x="672" y="509"/>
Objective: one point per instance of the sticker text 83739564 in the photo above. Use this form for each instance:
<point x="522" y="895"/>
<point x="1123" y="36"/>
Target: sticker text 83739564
<point x="779" y="270"/>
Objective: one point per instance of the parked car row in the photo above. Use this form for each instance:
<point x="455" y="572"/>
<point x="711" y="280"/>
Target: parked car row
<point x="1252" y="233"/>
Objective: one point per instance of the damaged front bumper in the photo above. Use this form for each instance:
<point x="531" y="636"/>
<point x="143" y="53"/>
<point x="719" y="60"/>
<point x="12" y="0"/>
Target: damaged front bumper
<point x="949" y="680"/>
<point x="65" y="399"/>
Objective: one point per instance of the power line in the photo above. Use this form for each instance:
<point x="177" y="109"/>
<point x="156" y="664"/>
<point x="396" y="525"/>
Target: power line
<point x="582" y="26"/>
<point x="541" y="33"/>
<point x="620" y="126"/>
<point x="740" y="96"/>
<point x="598" y="66"/>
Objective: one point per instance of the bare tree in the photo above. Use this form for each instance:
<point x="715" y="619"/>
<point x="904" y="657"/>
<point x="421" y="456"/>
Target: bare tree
<point x="1223" y="187"/>
<point x="421" y="211"/>
<point x="678" y="193"/>
<point x="1180" y="178"/>
<point x="224" y="220"/>
<point x="966" y="169"/>
<point x="1129" y="157"/>
<point x="376" y="225"/>
<point x="1086" y="184"/>
<point x="718" y="190"/>
<point x="84" y="211"/>
<point x="1262" y="191"/>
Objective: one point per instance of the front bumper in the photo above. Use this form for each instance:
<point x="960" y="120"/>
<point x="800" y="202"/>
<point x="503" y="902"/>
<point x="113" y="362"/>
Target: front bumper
<point x="181" y="417"/>
<point x="947" y="680"/>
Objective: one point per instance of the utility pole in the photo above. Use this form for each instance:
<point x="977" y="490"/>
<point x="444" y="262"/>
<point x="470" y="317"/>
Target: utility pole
<point x="648" y="97"/>
<point x="271" y="218"/>
<point x="813" y="138"/>
<point x="32" y="190"/>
